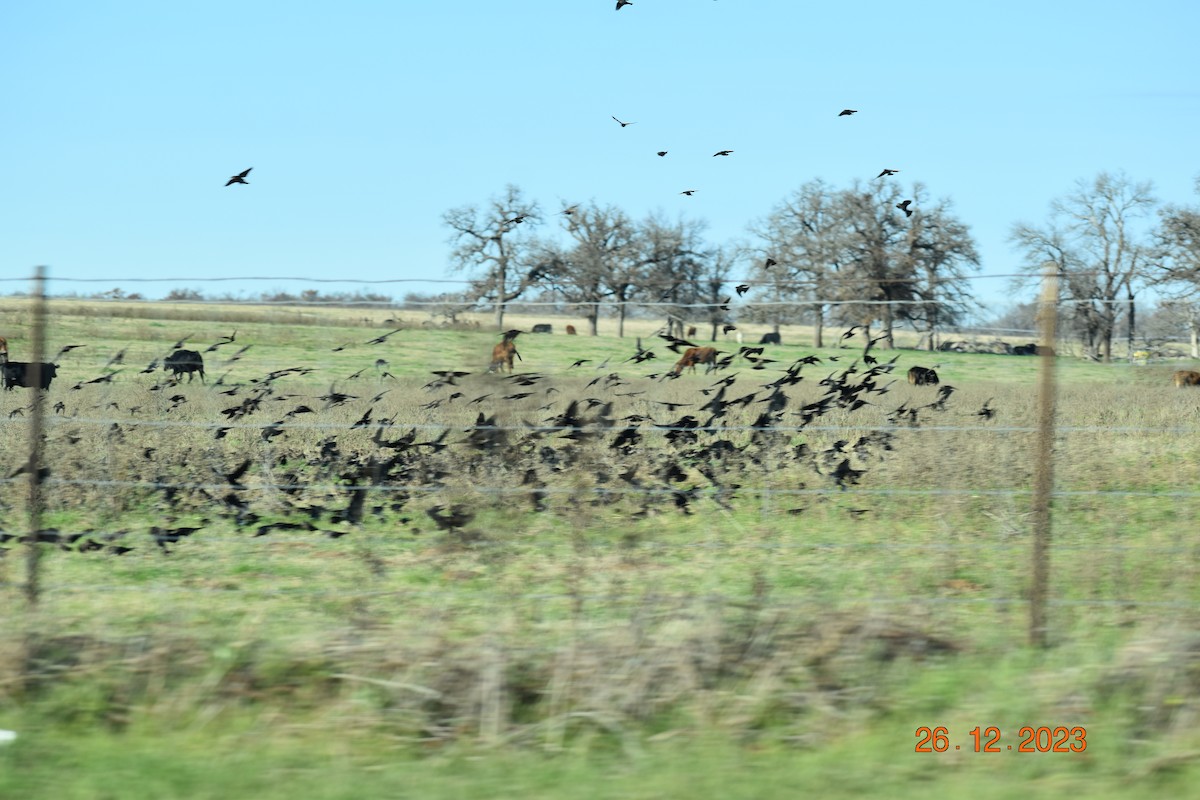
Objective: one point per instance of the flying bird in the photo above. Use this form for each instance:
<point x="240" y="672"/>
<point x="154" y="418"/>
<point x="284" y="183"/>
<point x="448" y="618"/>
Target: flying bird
<point x="688" y="192"/>
<point x="722" y="153"/>
<point x="905" y="208"/>
<point x="770" y="263"/>
<point x="382" y="339"/>
<point x="621" y="3"/>
<point x="661" y="153"/>
<point x="847" y="112"/>
<point x="742" y="289"/>
<point x="887" y="172"/>
<point x="239" y="178"/>
<point x="568" y="211"/>
<point x="625" y="124"/>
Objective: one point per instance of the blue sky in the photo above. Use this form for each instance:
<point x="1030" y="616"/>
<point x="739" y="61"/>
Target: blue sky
<point x="365" y="121"/>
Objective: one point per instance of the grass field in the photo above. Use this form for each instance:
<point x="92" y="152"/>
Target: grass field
<point x="293" y="607"/>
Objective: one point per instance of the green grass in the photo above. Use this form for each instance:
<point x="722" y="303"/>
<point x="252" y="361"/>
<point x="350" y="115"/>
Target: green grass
<point x="610" y="645"/>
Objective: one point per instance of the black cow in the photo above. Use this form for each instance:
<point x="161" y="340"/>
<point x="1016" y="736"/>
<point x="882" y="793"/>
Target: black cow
<point x="18" y="373"/>
<point x="182" y="361"/>
<point x="922" y="376"/>
<point x="770" y="338"/>
<point x="542" y="327"/>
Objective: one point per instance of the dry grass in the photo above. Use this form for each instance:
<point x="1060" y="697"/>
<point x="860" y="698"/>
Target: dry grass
<point x="771" y="603"/>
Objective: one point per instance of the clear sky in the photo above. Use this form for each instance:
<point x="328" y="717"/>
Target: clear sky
<point x="365" y="121"/>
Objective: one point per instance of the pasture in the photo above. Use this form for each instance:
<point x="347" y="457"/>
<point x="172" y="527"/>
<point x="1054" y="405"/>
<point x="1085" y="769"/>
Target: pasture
<point x="582" y="579"/>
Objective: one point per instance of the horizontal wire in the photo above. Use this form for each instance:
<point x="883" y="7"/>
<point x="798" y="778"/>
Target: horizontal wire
<point x="608" y="597"/>
<point x="1013" y="546"/>
<point x="513" y="305"/>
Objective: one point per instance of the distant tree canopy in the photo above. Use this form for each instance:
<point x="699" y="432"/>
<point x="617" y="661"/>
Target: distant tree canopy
<point x="849" y="255"/>
<point x="1102" y="256"/>
<point x="856" y="256"/>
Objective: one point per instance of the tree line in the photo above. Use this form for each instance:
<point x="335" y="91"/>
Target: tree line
<point x="830" y="256"/>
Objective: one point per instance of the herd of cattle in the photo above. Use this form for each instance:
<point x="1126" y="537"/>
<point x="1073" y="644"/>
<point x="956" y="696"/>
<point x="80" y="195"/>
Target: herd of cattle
<point x="190" y="362"/>
<point x="28" y="374"/>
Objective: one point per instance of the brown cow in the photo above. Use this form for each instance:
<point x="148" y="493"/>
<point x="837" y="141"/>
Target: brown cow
<point x="1186" y="377"/>
<point x="3" y="350"/>
<point x="570" y="330"/>
<point x="502" y="354"/>
<point x="922" y="376"/>
<point x="697" y="355"/>
<point x="691" y="331"/>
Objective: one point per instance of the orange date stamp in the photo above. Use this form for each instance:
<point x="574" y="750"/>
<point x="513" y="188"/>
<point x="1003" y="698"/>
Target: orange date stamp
<point x="989" y="740"/>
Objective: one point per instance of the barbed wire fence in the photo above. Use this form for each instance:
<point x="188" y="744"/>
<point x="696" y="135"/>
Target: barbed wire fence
<point x="1040" y="495"/>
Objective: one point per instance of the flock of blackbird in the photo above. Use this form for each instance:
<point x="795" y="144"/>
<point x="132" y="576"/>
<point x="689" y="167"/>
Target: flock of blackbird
<point x="538" y="443"/>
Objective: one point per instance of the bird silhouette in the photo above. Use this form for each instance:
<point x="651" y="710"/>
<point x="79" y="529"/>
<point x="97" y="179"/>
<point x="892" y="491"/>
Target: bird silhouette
<point x="742" y="289"/>
<point x="624" y="124"/>
<point x="688" y="192"/>
<point x="905" y="207"/>
<point x="239" y="178"/>
<point x="661" y="153"/>
<point x="845" y="112"/>
<point x="382" y="339"/>
<point x="887" y="172"/>
<point x="722" y="153"/>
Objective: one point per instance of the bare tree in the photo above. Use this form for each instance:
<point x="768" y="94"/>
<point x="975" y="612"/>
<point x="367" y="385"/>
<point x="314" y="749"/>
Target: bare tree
<point x="1178" y="238"/>
<point x="873" y="247"/>
<point x="671" y="255"/>
<point x="798" y="255"/>
<point x="598" y="266"/>
<point x="713" y="286"/>
<point x="1093" y="239"/>
<point x="939" y="249"/>
<point x="494" y="241"/>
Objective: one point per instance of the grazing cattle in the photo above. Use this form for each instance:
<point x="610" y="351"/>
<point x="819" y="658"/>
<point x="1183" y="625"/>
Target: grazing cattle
<point x="502" y="355"/>
<point x="770" y="338"/>
<point x="696" y="355"/>
<point x="570" y="330"/>
<point x="19" y="373"/>
<point x="691" y="331"/>
<point x="182" y="361"/>
<point x="1186" y="377"/>
<point x="922" y="376"/>
<point x="1025" y="350"/>
<point x="3" y="350"/>
<point x="542" y="327"/>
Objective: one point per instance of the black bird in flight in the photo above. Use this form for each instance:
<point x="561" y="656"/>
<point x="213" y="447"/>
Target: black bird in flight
<point x="847" y="112"/>
<point x="240" y="178"/>
<point x="742" y="289"/>
<point x="770" y="263"/>
<point x="623" y="3"/>
<point x="722" y="153"/>
<point x="661" y="153"/>
<point x="905" y="207"/>
<point x="569" y="210"/>
<point x="66" y="349"/>
<point x="382" y="339"/>
<point x="688" y="192"/>
<point x="625" y="124"/>
<point x="887" y="172"/>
